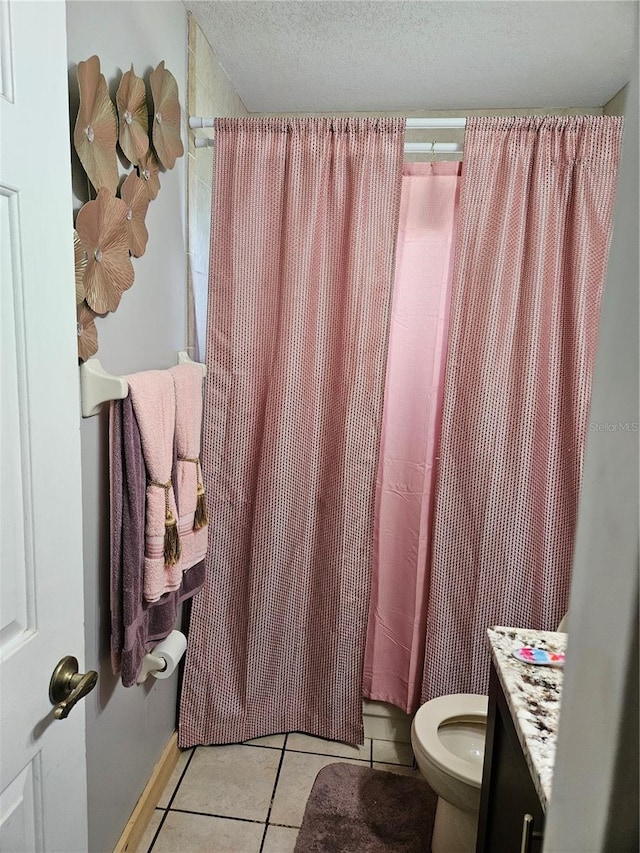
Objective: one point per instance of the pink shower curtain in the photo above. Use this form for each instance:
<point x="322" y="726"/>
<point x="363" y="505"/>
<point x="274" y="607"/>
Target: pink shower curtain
<point x="411" y="417"/>
<point x="304" y="227"/>
<point x="533" y="237"/>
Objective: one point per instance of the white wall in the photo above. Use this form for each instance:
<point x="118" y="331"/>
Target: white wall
<point x="128" y="728"/>
<point x="594" y="804"/>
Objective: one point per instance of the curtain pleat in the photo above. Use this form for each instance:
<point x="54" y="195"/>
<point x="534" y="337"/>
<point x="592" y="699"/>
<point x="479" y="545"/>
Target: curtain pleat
<point x="534" y="229"/>
<point x="304" y="226"/>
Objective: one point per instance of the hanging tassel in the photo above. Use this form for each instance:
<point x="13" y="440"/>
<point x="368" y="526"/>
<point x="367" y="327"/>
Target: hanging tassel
<point x="172" y="546"/>
<point x="200" y="519"/>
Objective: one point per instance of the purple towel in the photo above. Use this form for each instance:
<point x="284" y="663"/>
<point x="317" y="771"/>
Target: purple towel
<point x="136" y="624"/>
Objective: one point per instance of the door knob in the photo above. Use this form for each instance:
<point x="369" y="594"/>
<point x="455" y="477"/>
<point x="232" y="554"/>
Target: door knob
<point x="67" y="686"/>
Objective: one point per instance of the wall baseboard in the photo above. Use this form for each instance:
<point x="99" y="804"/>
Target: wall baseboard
<point x="141" y="815"/>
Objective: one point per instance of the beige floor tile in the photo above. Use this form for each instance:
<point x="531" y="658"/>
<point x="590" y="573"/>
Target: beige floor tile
<point x="187" y="833"/>
<point x="391" y="752"/>
<point x="297" y="775"/>
<point x="280" y="839"/>
<point x="147" y="838"/>
<point x="231" y="781"/>
<point x="400" y="769"/>
<point x="306" y="743"/>
<point x="269" y="740"/>
<point x="171" y="785"/>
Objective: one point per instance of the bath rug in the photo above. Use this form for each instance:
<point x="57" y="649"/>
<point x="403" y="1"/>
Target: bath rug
<point x="354" y="809"/>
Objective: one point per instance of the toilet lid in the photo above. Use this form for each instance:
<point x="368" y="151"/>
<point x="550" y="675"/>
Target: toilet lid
<point x="457" y="707"/>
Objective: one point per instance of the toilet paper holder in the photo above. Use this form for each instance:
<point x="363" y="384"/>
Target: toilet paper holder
<point x="151" y="665"/>
<point x="162" y="661"/>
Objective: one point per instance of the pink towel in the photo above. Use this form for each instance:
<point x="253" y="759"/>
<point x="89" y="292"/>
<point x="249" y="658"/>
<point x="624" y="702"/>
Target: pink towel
<point x="187" y="379"/>
<point x="154" y="404"/>
<point x="136" y="624"/>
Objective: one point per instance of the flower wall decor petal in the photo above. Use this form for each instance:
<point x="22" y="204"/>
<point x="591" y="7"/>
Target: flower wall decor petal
<point x="148" y="170"/>
<point x="134" y="194"/>
<point x="113" y="224"/>
<point x="96" y="129"/>
<point x="101" y="225"/>
<point x="133" y="115"/>
<point x="106" y="282"/>
<point x="138" y="238"/>
<point x="166" y="116"/>
<point x="88" y="225"/>
<point x="87" y="332"/>
<point x="81" y="259"/>
<point x="88" y="74"/>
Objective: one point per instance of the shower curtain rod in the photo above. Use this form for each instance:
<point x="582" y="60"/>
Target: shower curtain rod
<point x="412" y="123"/>
<point x="450" y="148"/>
<point x="409" y="147"/>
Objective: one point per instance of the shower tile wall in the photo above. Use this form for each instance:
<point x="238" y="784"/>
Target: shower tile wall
<point x="250" y="798"/>
<point x="209" y="93"/>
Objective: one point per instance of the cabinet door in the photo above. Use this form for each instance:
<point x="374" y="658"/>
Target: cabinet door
<point x="509" y="803"/>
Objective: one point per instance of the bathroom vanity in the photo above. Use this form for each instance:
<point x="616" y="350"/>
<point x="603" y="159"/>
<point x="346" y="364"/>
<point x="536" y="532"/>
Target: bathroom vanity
<point x="524" y="709"/>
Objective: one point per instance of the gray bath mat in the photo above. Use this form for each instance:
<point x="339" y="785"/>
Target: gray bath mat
<point x="354" y="809"/>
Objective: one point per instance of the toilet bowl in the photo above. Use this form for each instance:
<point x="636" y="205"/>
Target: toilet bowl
<point x="448" y="736"/>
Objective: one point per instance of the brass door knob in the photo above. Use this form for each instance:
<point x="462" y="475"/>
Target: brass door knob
<point x="67" y="686"/>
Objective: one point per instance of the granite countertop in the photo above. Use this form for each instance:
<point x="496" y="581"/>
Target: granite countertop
<point x="533" y="695"/>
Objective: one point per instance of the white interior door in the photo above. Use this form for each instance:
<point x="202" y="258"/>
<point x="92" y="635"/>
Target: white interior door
<point x="43" y="803"/>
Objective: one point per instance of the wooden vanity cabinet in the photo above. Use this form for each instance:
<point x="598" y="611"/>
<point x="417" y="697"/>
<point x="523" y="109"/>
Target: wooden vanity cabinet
<point x="511" y="817"/>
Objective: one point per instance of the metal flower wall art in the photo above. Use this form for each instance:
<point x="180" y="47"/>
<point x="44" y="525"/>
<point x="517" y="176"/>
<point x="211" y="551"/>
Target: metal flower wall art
<point x="148" y="169"/>
<point x="131" y="99"/>
<point x="166" y="116"/>
<point x="109" y="230"/>
<point x="87" y="332"/>
<point x="81" y="259"/>
<point x="101" y="225"/>
<point x="134" y="194"/>
<point x="96" y="129"/>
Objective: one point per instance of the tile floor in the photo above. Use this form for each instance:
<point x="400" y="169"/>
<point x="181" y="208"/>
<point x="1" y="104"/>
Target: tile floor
<point x="250" y="797"/>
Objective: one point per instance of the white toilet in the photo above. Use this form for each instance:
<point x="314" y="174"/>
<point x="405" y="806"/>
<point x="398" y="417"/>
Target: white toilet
<point x="447" y="736"/>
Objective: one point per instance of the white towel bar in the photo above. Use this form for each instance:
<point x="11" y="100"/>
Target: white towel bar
<point x="98" y="387"/>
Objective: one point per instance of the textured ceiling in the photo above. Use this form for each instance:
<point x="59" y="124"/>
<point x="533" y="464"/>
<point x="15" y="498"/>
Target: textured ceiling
<point x="352" y="55"/>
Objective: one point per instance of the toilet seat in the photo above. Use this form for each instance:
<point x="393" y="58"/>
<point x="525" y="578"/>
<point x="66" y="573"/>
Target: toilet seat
<point x="458" y="707"/>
